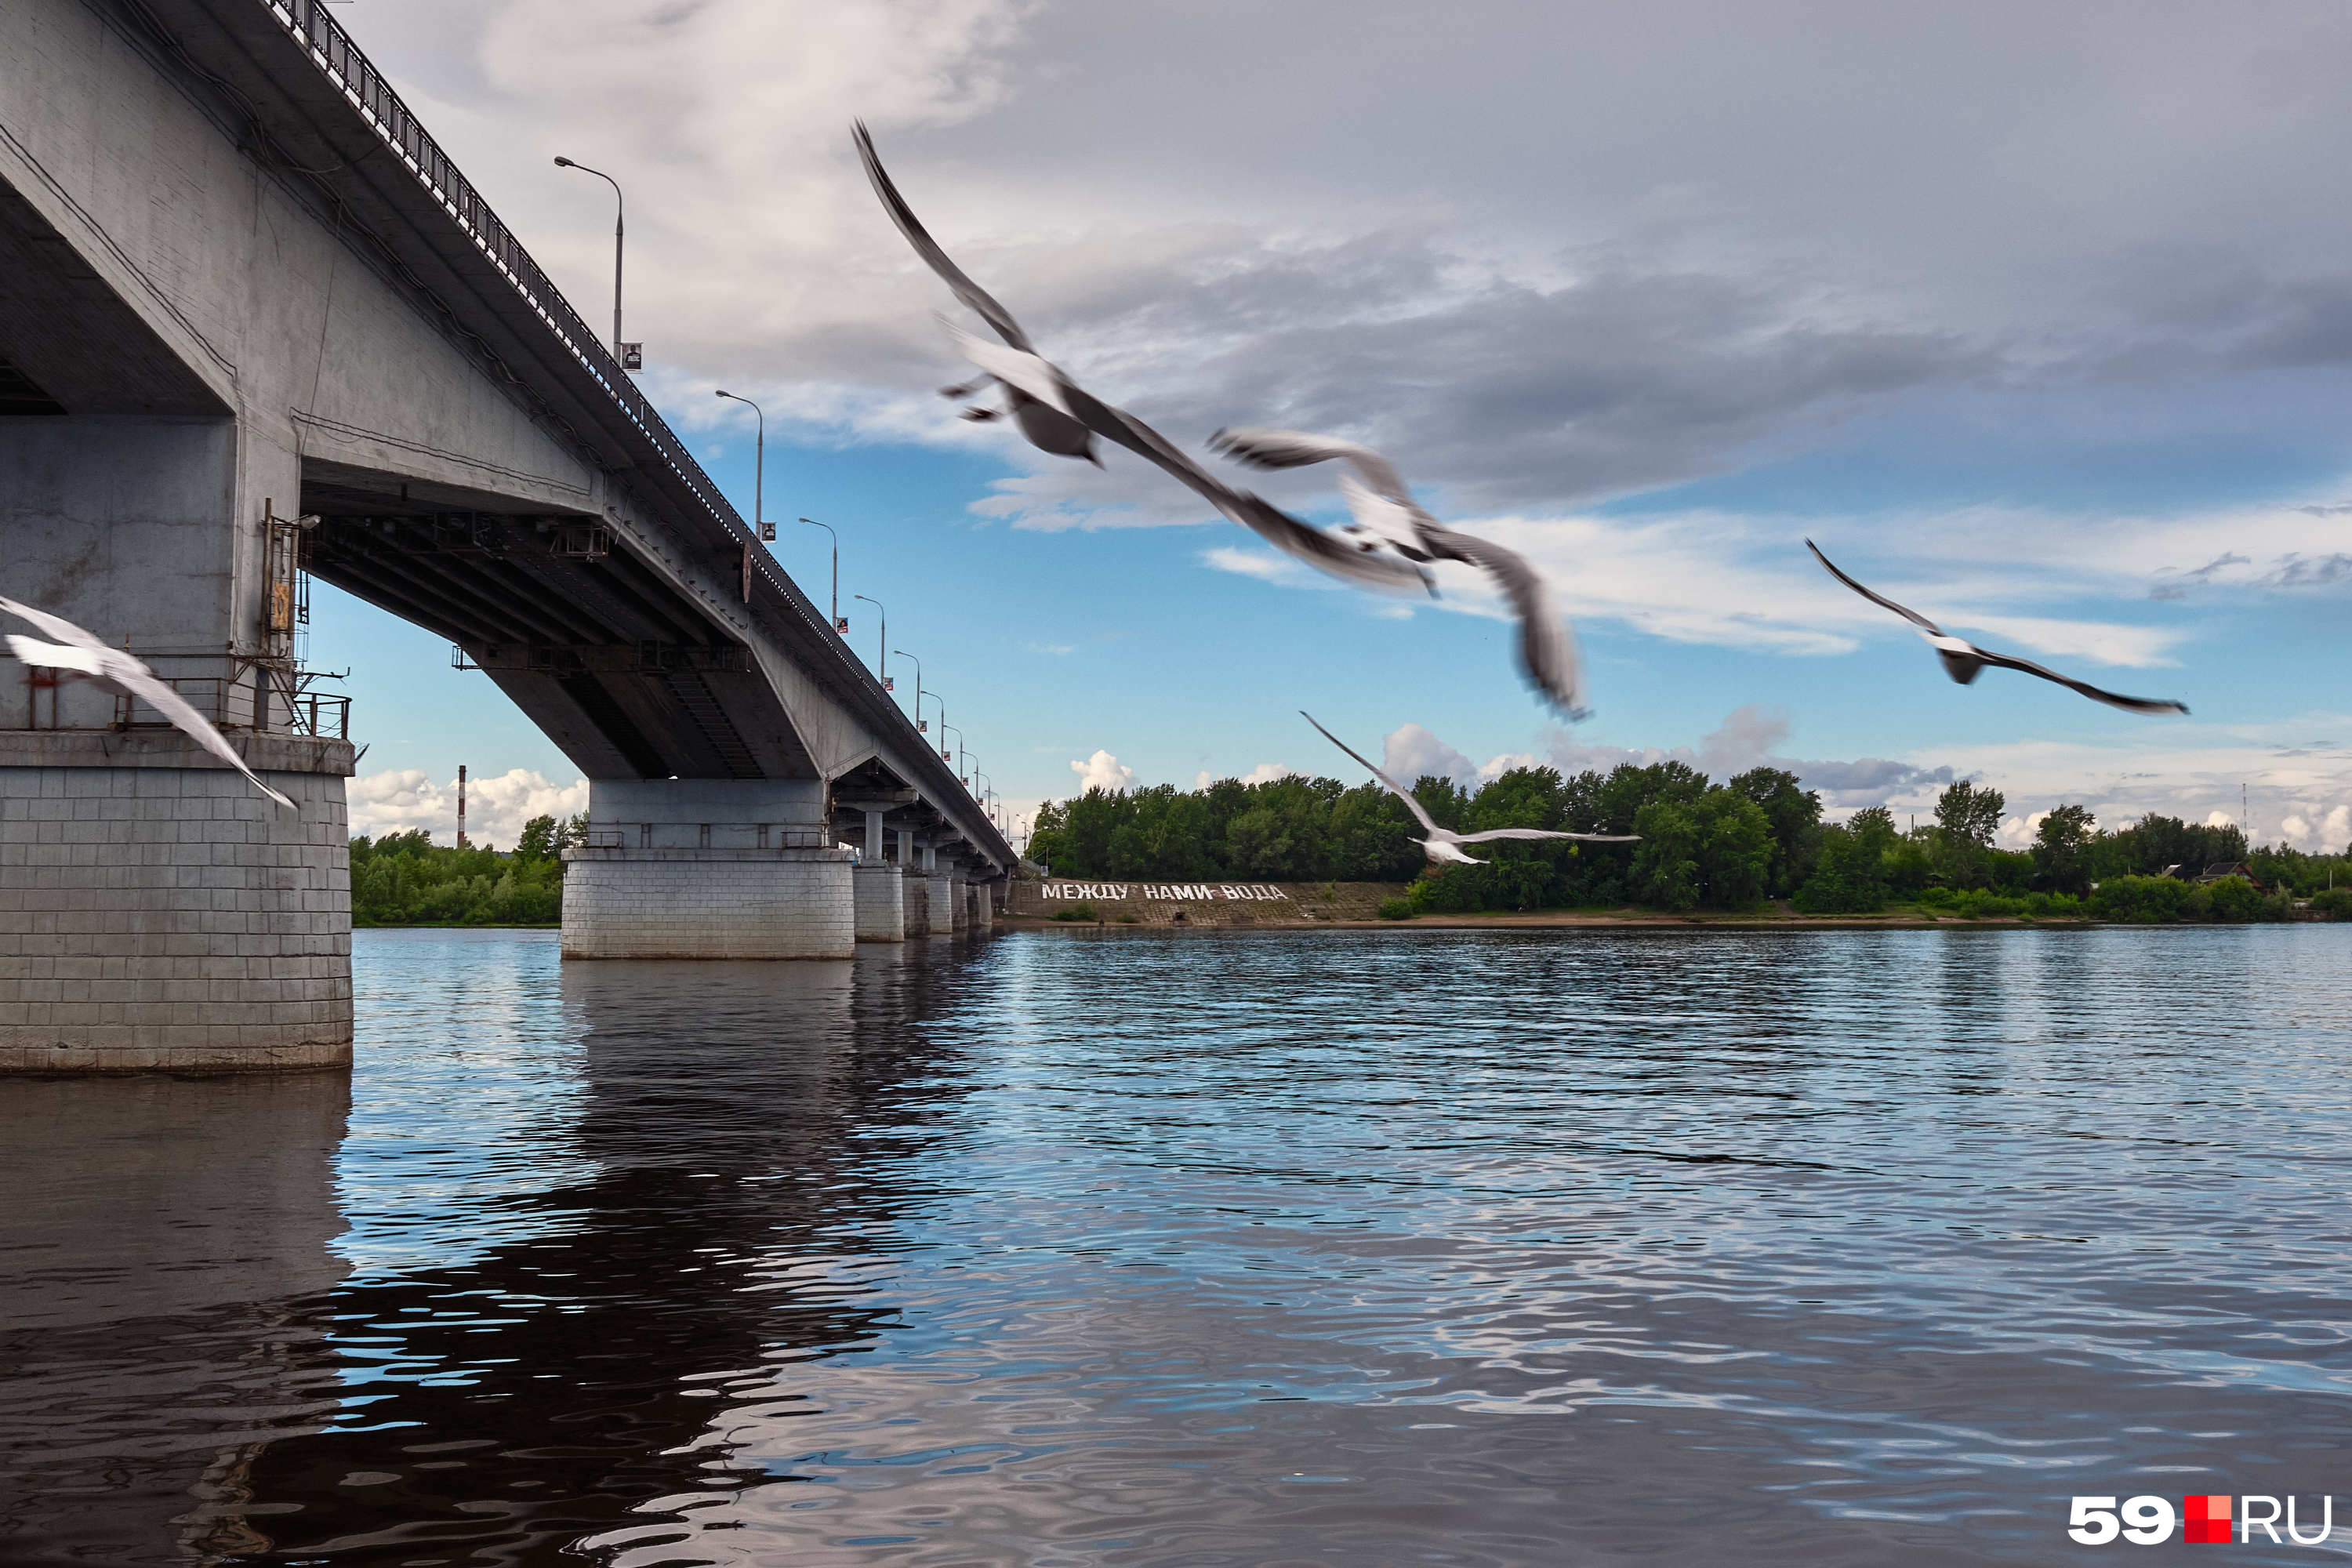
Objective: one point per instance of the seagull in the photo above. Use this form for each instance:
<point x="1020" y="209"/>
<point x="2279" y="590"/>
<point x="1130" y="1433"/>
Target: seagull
<point x="1442" y="844"/>
<point x="83" y="656"/>
<point x="1060" y="417"/>
<point x="1963" y="661"/>
<point x="1388" y="520"/>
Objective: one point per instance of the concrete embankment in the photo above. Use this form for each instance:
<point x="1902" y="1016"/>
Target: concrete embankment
<point x="1168" y="903"/>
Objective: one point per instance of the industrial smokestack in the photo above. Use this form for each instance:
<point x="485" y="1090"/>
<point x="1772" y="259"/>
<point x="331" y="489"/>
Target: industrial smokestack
<point x="461" y="805"/>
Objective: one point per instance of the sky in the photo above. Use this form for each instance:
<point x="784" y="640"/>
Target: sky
<point x="2037" y="318"/>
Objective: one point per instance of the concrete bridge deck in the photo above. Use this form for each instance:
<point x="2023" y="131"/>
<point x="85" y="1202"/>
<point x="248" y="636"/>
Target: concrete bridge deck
<point x="256" y="325"/>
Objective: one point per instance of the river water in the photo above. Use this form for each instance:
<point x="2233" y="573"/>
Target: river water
<point x="1110" y="1248"/>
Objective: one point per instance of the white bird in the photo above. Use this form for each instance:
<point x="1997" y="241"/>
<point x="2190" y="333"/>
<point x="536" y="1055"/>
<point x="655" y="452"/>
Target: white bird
<point x="1061" y="417"/>
<point x="1441" y="843"/>
<point x="82" y="655"/>
<point x="1964" y="661"/>
<point x="1387" y="519"/>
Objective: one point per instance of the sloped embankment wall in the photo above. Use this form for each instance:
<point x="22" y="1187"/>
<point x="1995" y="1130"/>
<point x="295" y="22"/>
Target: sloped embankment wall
<point x="1147" y="902"/>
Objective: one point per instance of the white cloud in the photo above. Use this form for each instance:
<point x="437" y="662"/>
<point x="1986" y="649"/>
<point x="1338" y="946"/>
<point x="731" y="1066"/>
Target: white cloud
<point x="1262" y="564"/>
<point x="1055" y="648"/>
<point x="1102" y="771"/>
<point x="495" y="808"/>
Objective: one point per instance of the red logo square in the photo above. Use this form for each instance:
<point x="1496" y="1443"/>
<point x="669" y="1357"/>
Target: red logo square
<point x="2205" y="1519"/>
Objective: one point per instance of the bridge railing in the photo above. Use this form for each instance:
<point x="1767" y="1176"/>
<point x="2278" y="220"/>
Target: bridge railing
<point x="611" y="834"/>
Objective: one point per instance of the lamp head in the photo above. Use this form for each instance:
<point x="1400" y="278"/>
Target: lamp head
<point x="721" y="393"/>
<point x="562" y="162"/>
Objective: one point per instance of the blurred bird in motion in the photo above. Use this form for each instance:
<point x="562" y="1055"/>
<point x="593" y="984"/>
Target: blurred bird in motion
<point x="1389" y="520"/>
<point x="1443" y="845"/>
<point x="1061" y="417"/>
<point x="83" y="656"/>
<point x="1964" y="661"/>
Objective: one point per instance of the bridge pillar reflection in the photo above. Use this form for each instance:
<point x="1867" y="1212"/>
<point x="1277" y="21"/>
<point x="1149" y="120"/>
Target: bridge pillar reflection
<point x="708" y="869"/>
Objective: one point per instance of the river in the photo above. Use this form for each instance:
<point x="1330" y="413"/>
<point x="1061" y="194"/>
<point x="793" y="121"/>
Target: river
<point x="1077" y="1248"/>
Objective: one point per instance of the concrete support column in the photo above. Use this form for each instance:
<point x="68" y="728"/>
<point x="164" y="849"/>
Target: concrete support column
<point x="881" y="903"/>
<point x="960" y="900"/>
<point x="708" y="869"/>
<point x="157" y="912"/>
<point x="984" y="912"/>
<point x="942" y="894"/>
<point x="873" y="837"/>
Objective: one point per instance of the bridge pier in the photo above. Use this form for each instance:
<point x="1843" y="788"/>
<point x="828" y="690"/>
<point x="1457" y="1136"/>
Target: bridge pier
<point x="708" y="869"/>
<point x="914" y="895"/>
<point x="157" y="913"/>
<point x="881" y="891"/>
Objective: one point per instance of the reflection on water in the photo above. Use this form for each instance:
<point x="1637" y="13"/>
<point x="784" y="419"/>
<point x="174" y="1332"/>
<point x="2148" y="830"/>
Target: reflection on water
<point x="1385" y="1248"/>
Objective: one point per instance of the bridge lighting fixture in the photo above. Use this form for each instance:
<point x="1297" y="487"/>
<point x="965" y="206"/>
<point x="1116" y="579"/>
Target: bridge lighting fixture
<point x="839" y="624"/>
<point x="766" y="530"/>
<point x="631" y="355"/>
<point x="844" y="625"/>
<point x="902" y="653"/>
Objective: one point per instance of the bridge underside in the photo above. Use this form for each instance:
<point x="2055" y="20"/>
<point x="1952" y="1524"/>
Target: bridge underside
<point x="623" y="672"/>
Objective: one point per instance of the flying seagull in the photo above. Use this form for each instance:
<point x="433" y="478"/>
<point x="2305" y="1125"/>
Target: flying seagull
<point x="1061" y="417"/>
<point x="1388" y="520"/>
<point x="1441" y="843"/>
<point x="82" y="655"/>
<point x="1964" y="661"/>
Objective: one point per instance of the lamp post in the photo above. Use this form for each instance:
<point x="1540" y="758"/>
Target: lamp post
<point x="760" y="523"/>
<point x="902" y="653"/>
<point x="884" y="670"/>
<point x="944" y="727"/>
<point x="836" y="573"/>
<point x="920" y="695"/>
<point x="620" y="349"/>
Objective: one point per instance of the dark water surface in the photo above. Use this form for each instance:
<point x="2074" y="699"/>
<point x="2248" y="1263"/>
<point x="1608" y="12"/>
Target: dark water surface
<point x="1341" y="1248"/>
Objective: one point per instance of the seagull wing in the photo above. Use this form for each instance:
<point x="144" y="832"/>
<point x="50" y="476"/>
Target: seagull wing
<point x="982" y="303"/>
<point x="57" y="626"/>
<point x="1914" y="616"/>
<point x="1546" y="649"/>
<point x="143" y="683"/>
<point x="1494" y="832"/>
<point x="1261" y="517"/>
<point x="1296" y="448"/>
<point x="1394" y="788"/>
<point x="56" y="656"/>
<point x="2112" y="699"/>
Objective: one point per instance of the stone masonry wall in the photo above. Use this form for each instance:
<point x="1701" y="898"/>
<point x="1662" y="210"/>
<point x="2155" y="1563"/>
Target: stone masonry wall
<point x="709" y="903"/>
<point x="881" y="903"/>
<point x="941" y="893"/>
<point x="162" y="917"/>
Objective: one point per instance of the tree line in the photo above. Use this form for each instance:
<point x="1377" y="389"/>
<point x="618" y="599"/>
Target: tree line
<point x="1732" y="845"/>
<point x="407" y="880"/>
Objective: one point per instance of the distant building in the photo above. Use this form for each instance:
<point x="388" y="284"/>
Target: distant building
<point x="2228" y="868"/>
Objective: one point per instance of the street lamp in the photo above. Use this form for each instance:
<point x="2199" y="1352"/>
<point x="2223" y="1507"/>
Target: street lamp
<point x="766" y="530"/>
<point x="884" y="671"/>
<point x="944" y="727"/>
<point x="621" y="350"/>
<point x="838" y="624"/>
<point x="902" y="653"/>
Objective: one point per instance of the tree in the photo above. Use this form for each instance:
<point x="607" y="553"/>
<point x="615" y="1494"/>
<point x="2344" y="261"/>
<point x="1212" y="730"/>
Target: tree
<point x="1968" y="818"/>
<point x="1795" y="818"/>
<point x="539" y="840"/>
<point x="1666" y="862"/>
<point x="2061" y="848"/>
<point x="1850" y="875"/>
<point x="1736" y="848"/>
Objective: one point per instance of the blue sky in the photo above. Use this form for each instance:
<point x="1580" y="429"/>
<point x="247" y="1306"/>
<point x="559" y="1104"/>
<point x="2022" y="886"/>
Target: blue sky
<point x="2038" y="321"/>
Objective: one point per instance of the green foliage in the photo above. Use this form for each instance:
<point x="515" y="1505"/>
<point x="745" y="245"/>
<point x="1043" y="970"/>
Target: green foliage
<point x="1077" y="913"/>
<point x="405" y="879"/>
<point x="1396" y="909"/>
<point x="1850" y="875"/>
<point x="2061" y="848"/>
<point x="1795" y="818"/>
<point x="2336" y="903"/>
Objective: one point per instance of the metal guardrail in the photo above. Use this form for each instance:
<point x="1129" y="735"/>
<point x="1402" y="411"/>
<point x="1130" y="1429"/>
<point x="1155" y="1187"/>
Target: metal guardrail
<point x="704" y="836"/>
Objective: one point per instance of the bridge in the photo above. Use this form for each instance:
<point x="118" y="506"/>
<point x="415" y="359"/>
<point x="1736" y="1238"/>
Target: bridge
<point x="255" y="328"/>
